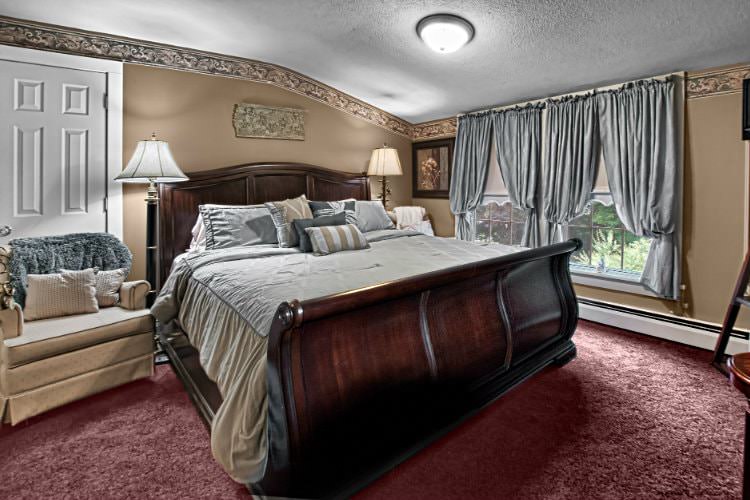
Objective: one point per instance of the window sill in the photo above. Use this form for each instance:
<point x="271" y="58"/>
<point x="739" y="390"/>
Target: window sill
<point x="599" y="280"/>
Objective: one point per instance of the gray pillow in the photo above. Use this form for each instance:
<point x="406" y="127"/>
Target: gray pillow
<point x="233" y="226"/>
<point x="371" y="216"/>
<point x="300" y="225"/>
<point x="321" y="208"/>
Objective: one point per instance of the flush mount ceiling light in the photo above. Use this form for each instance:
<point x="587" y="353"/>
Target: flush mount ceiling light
<point x="445" y="33"/>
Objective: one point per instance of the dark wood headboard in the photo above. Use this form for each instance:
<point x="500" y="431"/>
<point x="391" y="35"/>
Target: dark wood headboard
<point x="244" y="185"/>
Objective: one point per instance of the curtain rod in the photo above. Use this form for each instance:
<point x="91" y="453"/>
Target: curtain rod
<point x="543" y="100"/>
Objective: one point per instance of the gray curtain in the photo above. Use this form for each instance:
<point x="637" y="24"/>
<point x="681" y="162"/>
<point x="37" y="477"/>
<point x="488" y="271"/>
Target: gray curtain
<point x="572" y="159"/>
<point x="517" y="135"/>
<point x="639" y="140"/>
<point x="470" y="158"/>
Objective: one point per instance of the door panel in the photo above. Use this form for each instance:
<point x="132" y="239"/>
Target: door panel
<point x="53" y="172"/>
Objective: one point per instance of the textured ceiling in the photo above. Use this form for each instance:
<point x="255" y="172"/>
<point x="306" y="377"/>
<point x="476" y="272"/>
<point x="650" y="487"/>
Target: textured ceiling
<point x="370" y="49"/>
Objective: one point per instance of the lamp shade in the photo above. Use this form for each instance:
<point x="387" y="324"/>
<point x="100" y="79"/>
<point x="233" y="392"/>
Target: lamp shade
<point x="152" y="161"/>
<point x="384" y="161"/>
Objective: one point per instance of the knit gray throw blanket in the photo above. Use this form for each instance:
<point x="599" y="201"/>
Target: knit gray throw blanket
<point x="49" y="254"/>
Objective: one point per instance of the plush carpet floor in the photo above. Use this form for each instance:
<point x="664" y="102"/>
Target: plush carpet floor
<point x="631" y="417"/>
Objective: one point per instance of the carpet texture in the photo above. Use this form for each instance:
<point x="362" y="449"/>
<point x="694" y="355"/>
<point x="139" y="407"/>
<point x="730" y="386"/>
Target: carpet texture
<point x="631" y="417"/>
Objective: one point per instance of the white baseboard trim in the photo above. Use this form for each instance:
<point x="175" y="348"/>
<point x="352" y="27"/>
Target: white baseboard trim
<point x="653" y="327"/>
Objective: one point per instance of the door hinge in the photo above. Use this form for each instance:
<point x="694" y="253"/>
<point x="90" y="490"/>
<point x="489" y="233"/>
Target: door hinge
<point x="106" y="204"/>
<point x="106" y="101"/>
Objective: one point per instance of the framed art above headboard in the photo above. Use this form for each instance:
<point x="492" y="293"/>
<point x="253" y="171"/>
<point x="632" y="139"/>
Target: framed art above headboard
<point x="248" y="184"/>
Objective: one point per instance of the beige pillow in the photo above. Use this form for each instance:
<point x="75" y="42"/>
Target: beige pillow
<point x="62" y="294"/>
<point x="108" y="285"/>
<point x="283" y="213"/>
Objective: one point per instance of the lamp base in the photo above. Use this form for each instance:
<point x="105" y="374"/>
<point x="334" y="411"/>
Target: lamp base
<point x="385" y="192"/>
<point x="152" y="242"/>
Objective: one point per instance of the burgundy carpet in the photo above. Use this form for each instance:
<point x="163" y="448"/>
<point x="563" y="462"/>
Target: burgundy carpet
<point x="631" y="417"/>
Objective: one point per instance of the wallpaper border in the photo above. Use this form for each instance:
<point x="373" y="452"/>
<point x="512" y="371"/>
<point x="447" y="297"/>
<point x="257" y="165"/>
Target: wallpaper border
<point x="716" y="81"/>
<point x="42" y="36"/>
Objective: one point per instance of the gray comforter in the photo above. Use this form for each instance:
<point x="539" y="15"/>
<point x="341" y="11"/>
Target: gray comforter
<point x="226" y="300"/>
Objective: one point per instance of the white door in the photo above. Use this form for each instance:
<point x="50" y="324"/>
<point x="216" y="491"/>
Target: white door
<point x="53" y="163"/>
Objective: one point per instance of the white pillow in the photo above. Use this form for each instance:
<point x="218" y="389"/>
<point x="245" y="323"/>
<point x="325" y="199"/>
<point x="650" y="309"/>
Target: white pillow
<point x="198" y="243"/>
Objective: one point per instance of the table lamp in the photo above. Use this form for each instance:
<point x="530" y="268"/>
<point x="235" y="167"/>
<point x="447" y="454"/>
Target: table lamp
<point x="384" y="161"/>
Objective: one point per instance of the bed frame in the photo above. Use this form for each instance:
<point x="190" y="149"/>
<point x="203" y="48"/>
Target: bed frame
<point x="359" y="381"/>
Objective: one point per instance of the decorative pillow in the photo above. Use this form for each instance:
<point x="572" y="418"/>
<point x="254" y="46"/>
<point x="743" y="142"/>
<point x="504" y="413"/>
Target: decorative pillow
<point x="240" y="225"/>
<point x="283" y="213"/>
<point x="60" y="294"/>
<point x="300" y="225"/>
<point x="331" y="239"/>
<point x="371" y="216"/>
<point x="108" y="285"/>
<point x="321" y="208"/>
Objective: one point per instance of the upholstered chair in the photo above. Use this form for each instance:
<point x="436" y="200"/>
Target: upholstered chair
<point x="50" y="362"/>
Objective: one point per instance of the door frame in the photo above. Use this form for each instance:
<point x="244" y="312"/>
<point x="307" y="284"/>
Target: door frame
<point x="113" y="135"/>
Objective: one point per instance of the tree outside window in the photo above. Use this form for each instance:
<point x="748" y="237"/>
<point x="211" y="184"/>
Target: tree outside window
<point x="607" y="246"/>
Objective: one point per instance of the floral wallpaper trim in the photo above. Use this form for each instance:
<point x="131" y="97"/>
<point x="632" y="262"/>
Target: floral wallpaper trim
<point x="435" y="129"/>
<point x="716" y="82"/>
<point x="43" y="36"/>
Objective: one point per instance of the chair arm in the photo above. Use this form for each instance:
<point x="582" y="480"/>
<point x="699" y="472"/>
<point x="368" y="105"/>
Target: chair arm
<point x="133" y="294"/>
<point x="11" y="322"/>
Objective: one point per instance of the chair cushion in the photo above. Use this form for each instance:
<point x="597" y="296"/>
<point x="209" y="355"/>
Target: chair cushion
<point x="50" y="337"/>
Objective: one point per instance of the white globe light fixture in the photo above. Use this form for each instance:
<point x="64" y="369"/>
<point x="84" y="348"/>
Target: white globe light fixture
<point x="445" y="33"/>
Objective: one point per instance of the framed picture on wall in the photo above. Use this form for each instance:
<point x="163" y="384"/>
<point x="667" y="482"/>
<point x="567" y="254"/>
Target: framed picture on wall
<point x="431" y="165"/>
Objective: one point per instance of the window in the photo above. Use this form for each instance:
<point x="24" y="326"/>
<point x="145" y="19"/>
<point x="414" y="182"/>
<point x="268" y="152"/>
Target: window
<point x="608" y="248"/>
<point x="497" y="221"/>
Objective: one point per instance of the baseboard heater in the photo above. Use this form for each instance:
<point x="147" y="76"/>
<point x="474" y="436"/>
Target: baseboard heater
<point x="683" y="330"/>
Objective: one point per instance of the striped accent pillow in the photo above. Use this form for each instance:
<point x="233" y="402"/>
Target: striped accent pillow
<point x="283" y="213"/>
<point x="331" y="239"/>
<point x="325" y="208"/>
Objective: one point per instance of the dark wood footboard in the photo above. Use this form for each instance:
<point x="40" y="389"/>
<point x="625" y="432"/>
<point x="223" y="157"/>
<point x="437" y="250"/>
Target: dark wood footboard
<point x="360" y="380"/>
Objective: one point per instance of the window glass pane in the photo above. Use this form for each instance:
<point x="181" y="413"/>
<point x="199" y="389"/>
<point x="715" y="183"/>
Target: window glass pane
<point x="483" y="230"/>
<point x="501" y="211"/>
<point x="584" y="219"/>
<point x="518" y="215"/>
<point x="517" y="232"/>
<point x="501" y="233"/>
<point x="606" y="249"/>
<point x="493" y="211"/>
<point x="635" y="252"/>
<point x="605" y="215"/>
<point x="483" y="212"/>
<point x="582" y="256"/>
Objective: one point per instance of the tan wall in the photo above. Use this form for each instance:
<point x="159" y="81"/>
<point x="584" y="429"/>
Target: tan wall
<point x="193" y="113"/>
<point x="440" y="214"/>
<point x="713" y="213"/>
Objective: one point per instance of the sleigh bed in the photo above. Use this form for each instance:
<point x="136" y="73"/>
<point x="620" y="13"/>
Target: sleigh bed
<point x="356" y="381"/>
